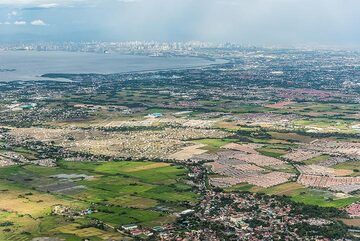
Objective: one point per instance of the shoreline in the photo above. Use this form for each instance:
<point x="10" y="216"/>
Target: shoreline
<point x="43" y="77"/>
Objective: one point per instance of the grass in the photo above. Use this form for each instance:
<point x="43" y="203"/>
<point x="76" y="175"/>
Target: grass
<point x="353" y="165"/>
<point x="310" y="196"/>
<point x="326" y="125"/>
<point x="299" y="193"/>
<point x="291" y="137"/>
<point x="126" y="167"/>
<point x="37" y="205"/>
<point x="163" y="175"/>
<point x="132" y="188"/>
<point x="120" y="216"/>
<point x="284" y="189"/>
<point x="271" y="152"/>
<point x="133" y="201"/>
<point x="316" y="160"/>
<point x="243" y="187"/>
<point x="283" y="168"/>
<point x="169" y="194"/>
<point x="91" y="233"/>
<point x="26" y="153"/>
<point x="214" y="145"/>
<point x="321" y="198"/>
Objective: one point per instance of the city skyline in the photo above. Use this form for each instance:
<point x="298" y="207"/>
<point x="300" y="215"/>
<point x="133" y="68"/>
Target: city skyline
<point x="259" y="22"/>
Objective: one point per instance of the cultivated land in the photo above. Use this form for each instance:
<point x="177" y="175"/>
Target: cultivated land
<point x="117" y="193"/>
<point x="121" y="156"/>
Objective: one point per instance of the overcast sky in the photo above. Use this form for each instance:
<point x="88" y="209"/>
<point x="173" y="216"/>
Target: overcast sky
<point x="254" y="22"/>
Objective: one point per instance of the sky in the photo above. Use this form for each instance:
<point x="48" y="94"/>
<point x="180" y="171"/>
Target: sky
<point x="250" y="22"/>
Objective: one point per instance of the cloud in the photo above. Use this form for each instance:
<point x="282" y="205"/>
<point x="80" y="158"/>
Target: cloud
<point x="57" y="3"/>
<point x="13" y="13"/>
<point x="39" y="3"/>
<point x="38" y="22"/>
<point x="48" y="5"/>
<point x="129" y="1"/>
<point x="20" y="23"/>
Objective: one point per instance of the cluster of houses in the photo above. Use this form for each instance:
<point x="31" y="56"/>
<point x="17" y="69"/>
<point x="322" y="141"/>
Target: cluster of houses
<point x="354" y="210"/>
<point x="161" y="231"/>
<point x="70" y="212"/>
<point x="244" y="216"/>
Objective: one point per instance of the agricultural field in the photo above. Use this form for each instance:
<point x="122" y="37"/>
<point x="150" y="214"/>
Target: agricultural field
<point x="118" y="193"/>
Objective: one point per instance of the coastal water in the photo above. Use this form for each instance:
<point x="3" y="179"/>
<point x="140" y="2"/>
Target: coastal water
<point x="30" y="65"/>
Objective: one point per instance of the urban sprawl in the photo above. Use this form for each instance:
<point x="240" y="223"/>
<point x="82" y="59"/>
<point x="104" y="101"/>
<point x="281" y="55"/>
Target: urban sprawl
<point x="264" y="146"/>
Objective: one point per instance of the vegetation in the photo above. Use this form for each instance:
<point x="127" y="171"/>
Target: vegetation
<point x="121" y="192"/>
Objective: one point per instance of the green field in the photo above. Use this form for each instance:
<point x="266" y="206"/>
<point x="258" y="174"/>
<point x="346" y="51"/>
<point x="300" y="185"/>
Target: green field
<point x="299" y="193"/>
<point x="353" y="165"/>
<point x="120" y="192"/>
<point x="215" y="144"/>
<point x="272" y="152"/>
<point x="322" y="198"/>
<point x="316" y="160"/>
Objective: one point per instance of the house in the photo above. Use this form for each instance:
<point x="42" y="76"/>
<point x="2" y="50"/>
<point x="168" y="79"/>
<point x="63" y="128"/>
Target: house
<point x="129" y="227"/>
<point x="187" y="212"/>
<point x="155" y="115"/>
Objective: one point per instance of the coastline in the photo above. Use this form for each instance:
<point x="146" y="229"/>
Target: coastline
<point x="207" y="62"/>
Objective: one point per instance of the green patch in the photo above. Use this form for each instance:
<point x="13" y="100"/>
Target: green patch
<point x="321" y="198"/>
<point x="353" y="165"/>
<point x="271" y="152"/>
<point x="214" y="145"/>
<point x="119" y="216"/>
<point x="243" y="187"/>
<point x="29" y="154"/>
<point x="169" y="194"/>
<point x="291" y="137"/>
<point x="316" y="160"/>
<point x="123" y="192"/>
<point x="282" y="168"/>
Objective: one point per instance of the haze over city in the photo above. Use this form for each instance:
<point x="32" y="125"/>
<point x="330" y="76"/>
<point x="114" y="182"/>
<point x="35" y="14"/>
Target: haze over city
<point x="249" y="22"/>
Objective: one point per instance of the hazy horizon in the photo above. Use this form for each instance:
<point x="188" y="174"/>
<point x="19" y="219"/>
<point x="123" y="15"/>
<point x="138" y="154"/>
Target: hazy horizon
<point x="249" y="22"/>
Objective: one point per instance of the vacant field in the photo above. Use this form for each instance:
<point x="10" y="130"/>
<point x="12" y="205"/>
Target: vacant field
<point x="284" y="189"/>
<point x="214" y="145"/>
<point x="87" y="232"/>
<point x="28" y="202"/>
<point x="322" y="198"/>
<point x="316" y="160"/>
<point x="299" y="193"/>
<point x="272" y="152"/>
<point x="247" y="148"/>
<point x="120" y="216"/>
<point x="244" y="187"/>
<point x="280" y="105"/>
<point x="292" y="137"/>
<point x="188" y="152"/>
<point x="125" y="167"/>
<point x="134" y="190"/>
<point x="353" y="165"/>
<point x="355" y="222"/>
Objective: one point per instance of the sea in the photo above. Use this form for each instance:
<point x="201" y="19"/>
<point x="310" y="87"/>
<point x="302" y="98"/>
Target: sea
<point x="31" y="65"/>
